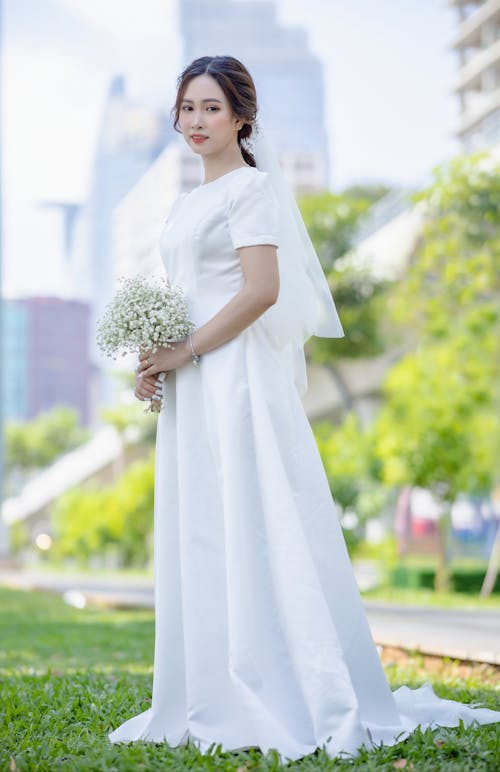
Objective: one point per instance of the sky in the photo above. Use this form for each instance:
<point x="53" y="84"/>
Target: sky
<point x="389" y="111"/>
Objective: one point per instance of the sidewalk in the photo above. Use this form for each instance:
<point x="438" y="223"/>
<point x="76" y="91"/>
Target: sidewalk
<point x="458" y="634"/>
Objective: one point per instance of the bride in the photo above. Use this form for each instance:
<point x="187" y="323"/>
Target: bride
<point x="261" y="638"/>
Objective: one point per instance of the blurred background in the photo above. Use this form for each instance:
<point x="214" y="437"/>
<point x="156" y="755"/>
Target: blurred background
<point x="386" y="117"/>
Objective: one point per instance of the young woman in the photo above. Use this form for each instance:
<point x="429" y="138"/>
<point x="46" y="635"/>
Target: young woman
<point x="261" y="636"/>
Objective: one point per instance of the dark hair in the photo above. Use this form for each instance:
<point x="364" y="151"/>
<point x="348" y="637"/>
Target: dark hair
<point x="237" y="85"/>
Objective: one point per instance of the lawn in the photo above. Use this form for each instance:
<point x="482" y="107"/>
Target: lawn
<point x="69" y="676"/>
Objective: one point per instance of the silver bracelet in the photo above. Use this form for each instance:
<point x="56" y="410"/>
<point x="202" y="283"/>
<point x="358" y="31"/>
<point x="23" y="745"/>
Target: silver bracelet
<point x="196" y="357"/>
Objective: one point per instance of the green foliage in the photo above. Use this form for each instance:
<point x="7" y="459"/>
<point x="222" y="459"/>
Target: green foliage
<point x="132" y="418"/>
<point x="440" y="425"/>
<point x="463" y="579"/>
<point x="332" y="219"/>
<point x="115" y="519"/>
<point x="345" y="455"/>
<point x="352" y="471"/>
<point x="455" y="277"/>
<point x="361" y="301"/>
<point x="37" y="443"/>
<point x="19" y="536"/>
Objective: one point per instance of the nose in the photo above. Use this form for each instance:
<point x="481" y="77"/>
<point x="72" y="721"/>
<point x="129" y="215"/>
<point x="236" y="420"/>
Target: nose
<point x="196" y="120"/>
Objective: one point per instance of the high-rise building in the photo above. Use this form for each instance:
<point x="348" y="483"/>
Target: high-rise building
<point x="288" y="77"/>
<point x="289" y="83"/>
<point x="477" y="43"/>
<point x="45" y="356"/>
<point x="130" y="138"/>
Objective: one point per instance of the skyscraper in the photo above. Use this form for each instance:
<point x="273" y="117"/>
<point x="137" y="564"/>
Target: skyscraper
<point x="477" y="85"/>
<point x="288" y="77"/>
<point x="289" y="82"/>
<point x="130" y="138"/>
<point x="45" y="356"/>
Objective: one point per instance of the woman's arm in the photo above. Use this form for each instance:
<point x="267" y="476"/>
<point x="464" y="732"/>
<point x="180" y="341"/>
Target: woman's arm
<point x="260" y="290"/>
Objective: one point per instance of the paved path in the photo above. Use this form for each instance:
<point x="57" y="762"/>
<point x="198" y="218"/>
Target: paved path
<point x="455" y="633"/>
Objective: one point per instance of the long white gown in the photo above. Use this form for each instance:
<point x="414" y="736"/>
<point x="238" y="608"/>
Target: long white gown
<point x="261" y="635"/>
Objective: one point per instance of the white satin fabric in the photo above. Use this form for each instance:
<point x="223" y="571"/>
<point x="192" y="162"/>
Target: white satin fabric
<point x="261" y="636"/>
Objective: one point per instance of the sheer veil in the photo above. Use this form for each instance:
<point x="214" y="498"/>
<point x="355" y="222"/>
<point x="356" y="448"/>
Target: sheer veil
<point x="305" y="305"/>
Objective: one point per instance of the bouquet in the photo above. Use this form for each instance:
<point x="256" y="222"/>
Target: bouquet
<point x="144" y="315"/>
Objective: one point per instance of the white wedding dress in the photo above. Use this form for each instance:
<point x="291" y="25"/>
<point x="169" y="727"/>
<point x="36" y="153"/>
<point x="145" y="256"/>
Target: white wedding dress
<point x="261" y="635"/>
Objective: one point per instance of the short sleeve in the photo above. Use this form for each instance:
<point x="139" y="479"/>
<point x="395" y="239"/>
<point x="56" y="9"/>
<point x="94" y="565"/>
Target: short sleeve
<point x="253" y="211"/>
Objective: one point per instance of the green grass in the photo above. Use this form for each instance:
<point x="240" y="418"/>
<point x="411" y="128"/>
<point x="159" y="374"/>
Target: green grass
<point x="425" y="597"/>
<point x="68" y="676"/>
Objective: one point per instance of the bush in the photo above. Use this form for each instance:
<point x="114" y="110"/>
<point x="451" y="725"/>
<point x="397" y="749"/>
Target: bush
<point x="466" y="579"/>
<point x="91" y="522"/>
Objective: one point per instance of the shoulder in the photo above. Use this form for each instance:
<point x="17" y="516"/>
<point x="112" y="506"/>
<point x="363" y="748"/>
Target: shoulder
<point x="252" y="209"/>
<point x="250" y="183"/>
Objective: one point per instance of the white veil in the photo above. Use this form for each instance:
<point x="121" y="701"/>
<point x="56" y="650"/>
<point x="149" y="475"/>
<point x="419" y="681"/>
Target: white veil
<point x="305" y="305"/>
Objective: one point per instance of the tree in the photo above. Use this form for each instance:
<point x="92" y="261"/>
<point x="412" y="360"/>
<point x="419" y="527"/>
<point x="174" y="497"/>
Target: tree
<point x="91" y="521"/>
<point x="440" y="425"/>
<point x="35" y="444"/>
<point x="352" y="470"/>
<point x="332" y="221"/>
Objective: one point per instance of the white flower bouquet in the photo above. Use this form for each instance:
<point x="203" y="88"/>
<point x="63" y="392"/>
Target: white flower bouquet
<point x="144" y="315"/>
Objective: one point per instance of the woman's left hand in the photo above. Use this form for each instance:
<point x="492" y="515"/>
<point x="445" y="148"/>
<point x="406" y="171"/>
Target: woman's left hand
<point x="164" y="359"/>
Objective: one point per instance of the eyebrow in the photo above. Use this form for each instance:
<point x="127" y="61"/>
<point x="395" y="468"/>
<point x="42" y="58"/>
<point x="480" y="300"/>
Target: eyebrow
<point x="204" y="100"/>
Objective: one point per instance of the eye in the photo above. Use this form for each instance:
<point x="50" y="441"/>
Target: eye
<point x="186" y="107"/>
<point x="213" y="108"/>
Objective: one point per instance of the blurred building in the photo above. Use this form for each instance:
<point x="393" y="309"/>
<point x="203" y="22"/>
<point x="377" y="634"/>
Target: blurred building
<point x="131" y="136"/>
<point x="288" y="77"/>
<point x="289" y="83"/>
<point x="477" y="85"/>
<point x="45" y="356"/>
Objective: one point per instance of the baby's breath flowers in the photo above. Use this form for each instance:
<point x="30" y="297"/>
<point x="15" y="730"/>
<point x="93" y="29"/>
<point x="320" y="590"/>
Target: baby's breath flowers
<point x="143" y="315"/>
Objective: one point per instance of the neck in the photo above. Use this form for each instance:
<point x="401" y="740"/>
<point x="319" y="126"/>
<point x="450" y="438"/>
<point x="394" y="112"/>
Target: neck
<point x="215" y="166"/>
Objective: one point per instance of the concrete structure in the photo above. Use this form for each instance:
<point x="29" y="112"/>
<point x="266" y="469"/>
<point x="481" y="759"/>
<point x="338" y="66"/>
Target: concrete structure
<point x="477" y="85"/>
<point x="45" y="356"/>
<point x="101" y="459"/>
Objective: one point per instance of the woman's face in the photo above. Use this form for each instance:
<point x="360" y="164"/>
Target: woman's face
<point x="205" y="117"/>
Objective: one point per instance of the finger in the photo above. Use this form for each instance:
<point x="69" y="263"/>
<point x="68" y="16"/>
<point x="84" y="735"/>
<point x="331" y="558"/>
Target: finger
<point x="146" y="391"/>
<point x="144" y="386"/>
<point x="150" y="381"/>
<point x="151" y="371"/>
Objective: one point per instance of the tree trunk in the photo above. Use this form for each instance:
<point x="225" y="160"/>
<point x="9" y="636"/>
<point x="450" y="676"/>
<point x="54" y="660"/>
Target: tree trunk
<point x="442" y="576"/>
<point x="492" y="570"/>
<point x="345" y="394"/>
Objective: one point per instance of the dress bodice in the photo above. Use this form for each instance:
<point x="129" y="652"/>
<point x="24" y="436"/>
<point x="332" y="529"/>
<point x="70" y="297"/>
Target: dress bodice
<point x="205" y="228"/>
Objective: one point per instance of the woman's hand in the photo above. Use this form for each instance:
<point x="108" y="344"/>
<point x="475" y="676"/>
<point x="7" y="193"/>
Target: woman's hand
<point x="164" y="359"/>
<point x="147" y="388"/>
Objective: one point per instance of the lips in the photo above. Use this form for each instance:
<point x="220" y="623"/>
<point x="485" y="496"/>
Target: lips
<point x="198" y="137"/>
